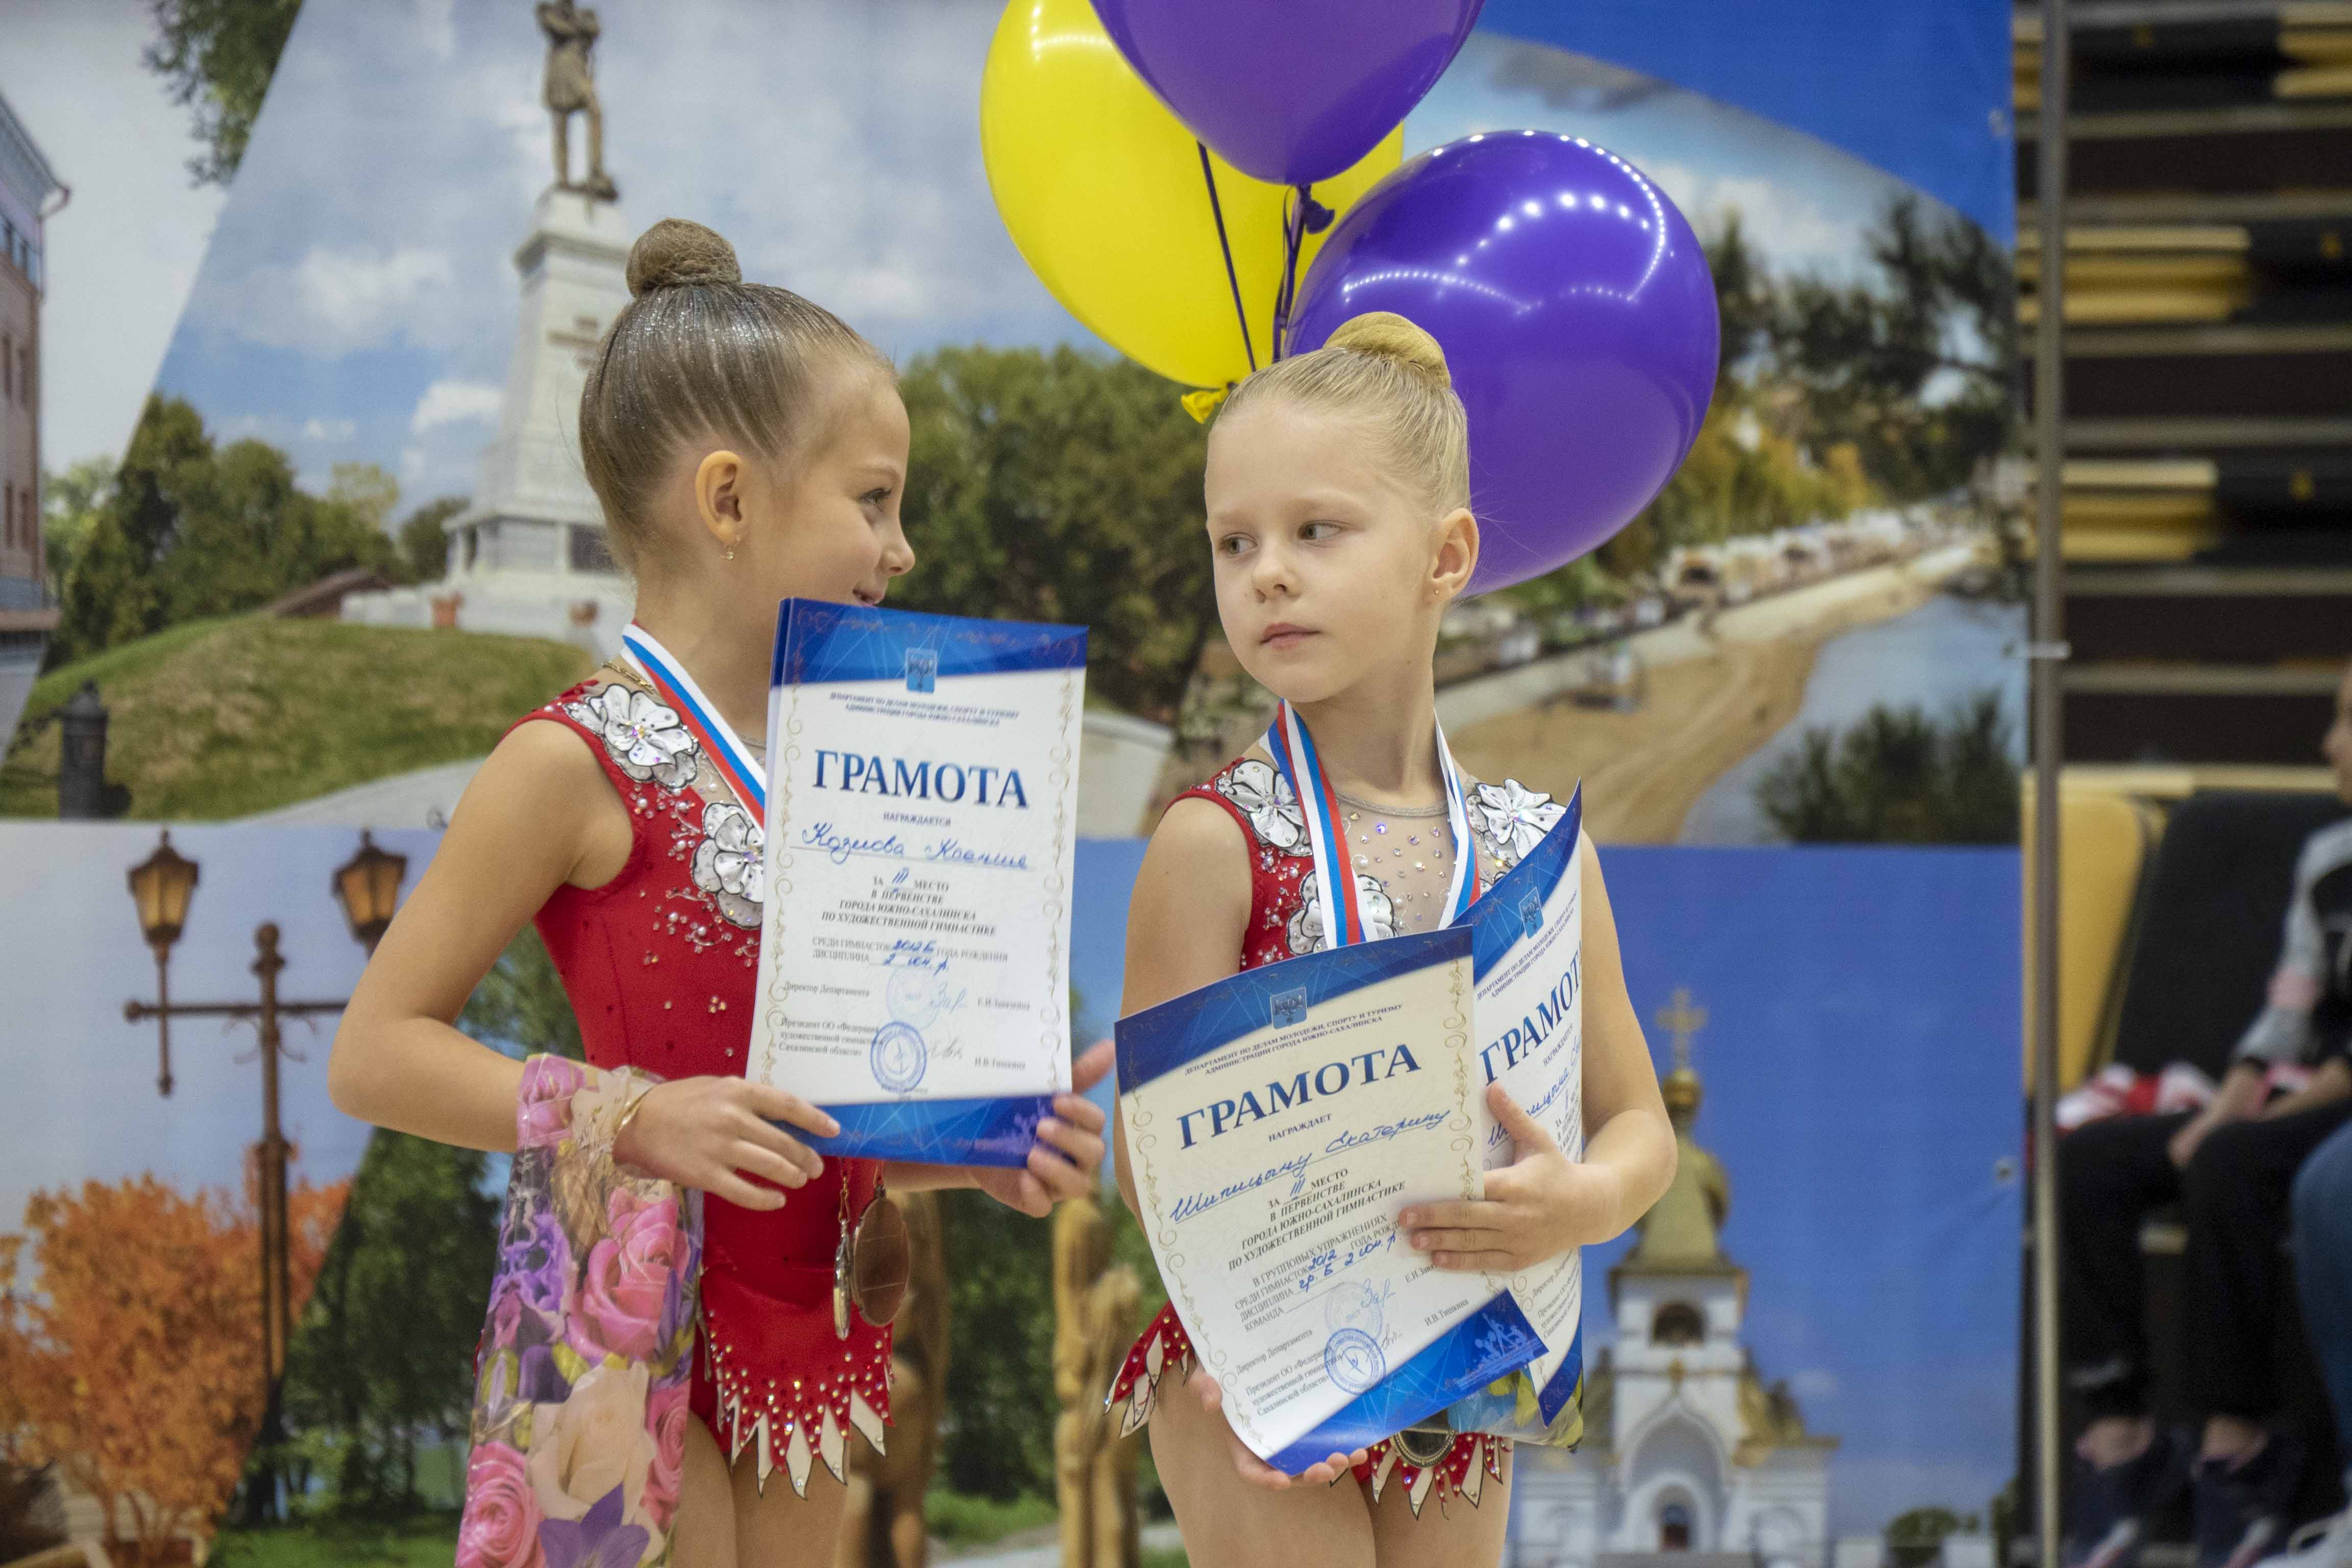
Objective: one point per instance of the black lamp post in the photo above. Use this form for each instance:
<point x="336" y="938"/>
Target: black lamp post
<point x="81" y="759"/>
<point x="368" y="886"/>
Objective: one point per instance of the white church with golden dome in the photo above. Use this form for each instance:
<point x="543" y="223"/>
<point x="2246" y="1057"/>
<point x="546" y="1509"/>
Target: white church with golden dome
<point x="1689" y="1458"/>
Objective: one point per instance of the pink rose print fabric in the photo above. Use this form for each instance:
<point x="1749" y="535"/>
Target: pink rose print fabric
<point x="580" y="1379"/>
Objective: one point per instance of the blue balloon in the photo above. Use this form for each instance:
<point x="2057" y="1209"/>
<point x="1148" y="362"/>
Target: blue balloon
<point x="1578" y="318"/>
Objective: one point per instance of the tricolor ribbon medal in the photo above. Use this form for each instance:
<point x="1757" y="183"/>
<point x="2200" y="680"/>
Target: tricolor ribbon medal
<point x="1336" y="893"/>
<point x="869" y="1266"/>
<point x="730" y="758"/>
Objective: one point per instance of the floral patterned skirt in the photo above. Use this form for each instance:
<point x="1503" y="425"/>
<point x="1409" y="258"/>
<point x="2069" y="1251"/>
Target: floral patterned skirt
<point x="1474" y="1456"/>
<point x="623" y="1307"/>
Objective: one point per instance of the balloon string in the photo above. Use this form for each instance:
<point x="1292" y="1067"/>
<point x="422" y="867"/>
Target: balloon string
<point x="1293" y="239"/>
<point x="1233" y="280"/>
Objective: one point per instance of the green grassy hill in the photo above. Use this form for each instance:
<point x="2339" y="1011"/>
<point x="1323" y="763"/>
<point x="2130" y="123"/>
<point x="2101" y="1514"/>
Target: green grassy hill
<point x="225" y="718"/>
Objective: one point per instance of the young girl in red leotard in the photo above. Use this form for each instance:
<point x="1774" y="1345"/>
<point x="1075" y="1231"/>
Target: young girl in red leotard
<point x="746" y="447"/>
<point x="1338" y="519"/>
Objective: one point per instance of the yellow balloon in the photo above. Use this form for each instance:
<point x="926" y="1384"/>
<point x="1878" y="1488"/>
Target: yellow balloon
<point x="1102" y="189"/>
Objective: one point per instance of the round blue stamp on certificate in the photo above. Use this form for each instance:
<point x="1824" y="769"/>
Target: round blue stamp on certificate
<point x="1353" y="1360"/>
<point x="899" y="1057"/>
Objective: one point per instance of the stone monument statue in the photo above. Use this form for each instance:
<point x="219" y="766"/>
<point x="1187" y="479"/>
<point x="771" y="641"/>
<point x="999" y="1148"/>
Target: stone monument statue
<point x="570" y="89"/>
<point x="528" y="557"/>
<point x="882" y="1523"/>
<point x="1094" y="1320"/>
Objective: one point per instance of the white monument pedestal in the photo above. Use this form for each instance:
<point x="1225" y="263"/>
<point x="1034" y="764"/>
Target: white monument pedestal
<point x="528" y="557"/>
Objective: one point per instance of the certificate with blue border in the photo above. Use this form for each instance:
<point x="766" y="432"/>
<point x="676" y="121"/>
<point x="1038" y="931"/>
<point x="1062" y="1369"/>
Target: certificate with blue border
<point x="1276" y="1121"/>
<point x="921" y="836"/>
<point x="1527" y="935"/>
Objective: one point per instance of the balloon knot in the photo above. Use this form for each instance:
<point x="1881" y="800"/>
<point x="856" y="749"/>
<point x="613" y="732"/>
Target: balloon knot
<point x="1319" y="216"/>
<point x="1204" y="401"/>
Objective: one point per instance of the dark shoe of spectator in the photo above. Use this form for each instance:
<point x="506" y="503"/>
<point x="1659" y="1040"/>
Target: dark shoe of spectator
<point x="2108" y="1509"/>
<point x="2242" y="1512"/>
<point x="2322" y="1543"/>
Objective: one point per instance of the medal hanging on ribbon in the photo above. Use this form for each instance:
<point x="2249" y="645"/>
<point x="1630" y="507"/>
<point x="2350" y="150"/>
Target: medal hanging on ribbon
<point x="870" y="1264"/>
<point x="1336" y="890"/>
<point x="730" y="759"/>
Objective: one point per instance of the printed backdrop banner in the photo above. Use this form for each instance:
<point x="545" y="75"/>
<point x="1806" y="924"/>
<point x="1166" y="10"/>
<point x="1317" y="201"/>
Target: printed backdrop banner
<point x="1857" y="1055"/>
<point x="1920" y="88"/>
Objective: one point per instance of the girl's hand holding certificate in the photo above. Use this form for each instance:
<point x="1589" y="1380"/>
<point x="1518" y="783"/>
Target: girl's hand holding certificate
<point x="1248" y="1465"/>
<point x="724" y="1136"/>
<point x="1536" y="1208"/>
<point x="1067" y="1160"/>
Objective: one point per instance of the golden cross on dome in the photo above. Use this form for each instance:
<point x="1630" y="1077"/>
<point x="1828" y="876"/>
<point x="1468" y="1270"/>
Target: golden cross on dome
<point x="1682" y="1020"/>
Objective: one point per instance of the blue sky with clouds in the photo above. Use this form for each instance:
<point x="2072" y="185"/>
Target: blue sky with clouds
<point x="358" y="299"/>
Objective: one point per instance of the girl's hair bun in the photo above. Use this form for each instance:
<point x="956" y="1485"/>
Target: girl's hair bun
<point x="675" y="252"/>
<point x="1386" y="335"/>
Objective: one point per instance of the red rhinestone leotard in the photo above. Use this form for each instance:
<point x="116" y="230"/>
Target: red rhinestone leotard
<point x="660" y="965"/>
<point x="1506" y="820"/>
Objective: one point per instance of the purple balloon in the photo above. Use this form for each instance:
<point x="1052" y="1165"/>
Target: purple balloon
<point x="1579" y="322"/>
<point x="1290" y="91"/>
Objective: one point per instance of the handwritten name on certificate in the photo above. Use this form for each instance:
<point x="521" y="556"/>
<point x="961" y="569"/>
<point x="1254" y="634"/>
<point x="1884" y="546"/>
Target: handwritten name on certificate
<point x="921" y="838"/>
<point x="1528" y="952"/>
<point x="1276" y="1121"/>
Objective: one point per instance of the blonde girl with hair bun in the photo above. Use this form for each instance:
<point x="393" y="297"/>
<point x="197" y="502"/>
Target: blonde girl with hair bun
<point x="1339" y="527"/>
<point x="631" y="1406"/>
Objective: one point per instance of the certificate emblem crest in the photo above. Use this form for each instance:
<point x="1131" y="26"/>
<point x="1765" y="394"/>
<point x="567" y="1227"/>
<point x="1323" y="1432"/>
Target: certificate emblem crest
<point x="1353" y="1362"/>
<point x="899" y="1057"/>
<point x="922" y="668"/>
<point x="1285" y="1008"/>
<point x="1532" y="913"/>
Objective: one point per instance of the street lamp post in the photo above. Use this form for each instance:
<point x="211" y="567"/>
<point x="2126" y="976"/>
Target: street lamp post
<point x="368" y="887"/>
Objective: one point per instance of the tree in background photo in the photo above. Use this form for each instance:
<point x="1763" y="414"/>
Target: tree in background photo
<point x="1900" y="776"/>
<point x="424" y="546"/>
<point x="1834" y="395"/>
<point x="189" y="529"/>
<point x="217" y="56"/>
<point x="132" y="1364"/>
<point x="1063" y="486"/>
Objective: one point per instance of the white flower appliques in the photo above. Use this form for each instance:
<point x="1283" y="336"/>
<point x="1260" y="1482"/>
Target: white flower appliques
<point x="650" y="740"/>
<point x="730" y="865"/>
<point x="1513" y="818"/>
<point x="1264" y="795"/>
<point x="1307" y="933"/>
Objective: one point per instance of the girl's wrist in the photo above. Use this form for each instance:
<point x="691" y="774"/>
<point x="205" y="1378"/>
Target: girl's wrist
<point x="628" y="1117"/>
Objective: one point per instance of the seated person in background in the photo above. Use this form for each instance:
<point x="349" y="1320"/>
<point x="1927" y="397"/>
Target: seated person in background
<point x="2229" y="1166"/>
<point x="2323" y="1272"/>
